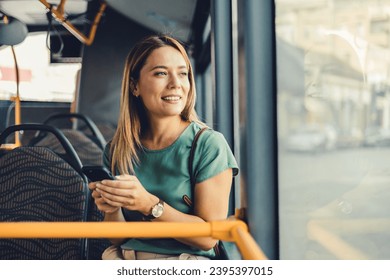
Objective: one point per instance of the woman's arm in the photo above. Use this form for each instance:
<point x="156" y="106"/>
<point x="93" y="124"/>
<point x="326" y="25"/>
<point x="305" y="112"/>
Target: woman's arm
<point x="211" y="202"/>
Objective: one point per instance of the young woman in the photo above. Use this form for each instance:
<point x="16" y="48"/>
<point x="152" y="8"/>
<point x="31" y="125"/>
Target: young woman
<point x="150" y="150"/>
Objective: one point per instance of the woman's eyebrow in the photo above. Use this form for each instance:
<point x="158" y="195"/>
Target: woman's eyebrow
<point x="165" y="67"/>
<point x="158" y="67"/>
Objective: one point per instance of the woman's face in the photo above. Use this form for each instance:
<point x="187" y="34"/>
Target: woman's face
<point x="164" y="83"/>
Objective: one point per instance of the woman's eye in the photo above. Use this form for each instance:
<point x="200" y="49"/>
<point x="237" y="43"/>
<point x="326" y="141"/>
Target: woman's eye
<point x="185" y="74"/>
<point x="160" y="74"/>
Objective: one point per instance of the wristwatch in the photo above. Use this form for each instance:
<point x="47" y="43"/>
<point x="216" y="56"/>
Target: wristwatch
<point x="157" y="210"/>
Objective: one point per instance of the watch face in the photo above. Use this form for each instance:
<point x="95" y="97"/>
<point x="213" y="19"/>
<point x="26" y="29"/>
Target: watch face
<point x="158" y="210"/>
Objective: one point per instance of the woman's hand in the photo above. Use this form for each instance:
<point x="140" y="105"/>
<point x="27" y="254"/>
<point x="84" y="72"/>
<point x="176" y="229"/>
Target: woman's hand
<point x="126" y="192"/>
<point x="111" y="213"/>
<point x="101" y="204"/>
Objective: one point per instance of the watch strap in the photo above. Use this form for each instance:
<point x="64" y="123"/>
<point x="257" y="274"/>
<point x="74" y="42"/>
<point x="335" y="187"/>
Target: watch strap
<point x="151" y="216"/>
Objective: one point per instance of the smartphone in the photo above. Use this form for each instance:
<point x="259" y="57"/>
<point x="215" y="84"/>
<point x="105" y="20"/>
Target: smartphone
<point x="97" y="173"/>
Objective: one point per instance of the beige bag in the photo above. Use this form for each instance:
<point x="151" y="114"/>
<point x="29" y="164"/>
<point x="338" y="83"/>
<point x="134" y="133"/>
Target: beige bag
<point x="115" y="252"/>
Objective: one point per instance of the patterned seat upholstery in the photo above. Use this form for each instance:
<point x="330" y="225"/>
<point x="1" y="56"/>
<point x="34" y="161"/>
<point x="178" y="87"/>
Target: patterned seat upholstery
<point x="38" y="185"/>
<point x="96" y="246"/>
<point x="89" y="154"/>
<point x="43" y="166"/>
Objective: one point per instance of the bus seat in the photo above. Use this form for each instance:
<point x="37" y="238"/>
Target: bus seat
<point x="88" y="141"/>
<point x="87" y="126"/>
<point x="39" y="185"/>
<point x="96" y="246"/>
<point x="89" y="154"/>
<point x="107" y="130"/>
<point x="87" y="150"/>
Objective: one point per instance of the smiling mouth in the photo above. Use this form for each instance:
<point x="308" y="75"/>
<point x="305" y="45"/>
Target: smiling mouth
<point x="171" y="98"/>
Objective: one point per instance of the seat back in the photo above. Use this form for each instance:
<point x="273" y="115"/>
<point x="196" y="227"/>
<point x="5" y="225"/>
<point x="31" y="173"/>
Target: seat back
<point x="87" y="126"/>
<point x="87" y="150"/>
<point x="96" y="246"/>
<point x="89" y="143"/>
<point x="36" y="184"/>
<point x="107" y="129"/>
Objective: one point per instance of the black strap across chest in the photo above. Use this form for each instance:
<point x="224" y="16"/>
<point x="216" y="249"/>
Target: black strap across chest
<point x="191" y="158"/>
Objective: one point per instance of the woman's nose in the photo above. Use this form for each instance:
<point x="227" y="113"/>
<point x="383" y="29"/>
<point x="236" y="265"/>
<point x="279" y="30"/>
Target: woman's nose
<point x="174" y="81"/>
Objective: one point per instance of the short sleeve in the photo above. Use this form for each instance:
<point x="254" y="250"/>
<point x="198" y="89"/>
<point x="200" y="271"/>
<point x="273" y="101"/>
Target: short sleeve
<point x="212" y="156"/>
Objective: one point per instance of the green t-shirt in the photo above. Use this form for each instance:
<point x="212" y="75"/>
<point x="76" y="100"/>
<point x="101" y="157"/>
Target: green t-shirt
<point x="164" y="173"/>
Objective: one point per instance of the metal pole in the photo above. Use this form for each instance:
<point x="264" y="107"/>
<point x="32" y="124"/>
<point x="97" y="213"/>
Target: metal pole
<point x="261" y="140"/>
<point x="221" y="42"/>
<point x="222" y="56"/>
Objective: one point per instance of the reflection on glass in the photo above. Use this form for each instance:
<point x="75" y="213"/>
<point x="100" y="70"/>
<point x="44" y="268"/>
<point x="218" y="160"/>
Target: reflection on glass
<point x="334" y="128"/>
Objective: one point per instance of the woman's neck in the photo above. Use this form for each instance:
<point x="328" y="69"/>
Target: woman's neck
<point x="163" y="133"/>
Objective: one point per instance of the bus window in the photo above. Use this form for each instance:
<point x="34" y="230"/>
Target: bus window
<point x="334" y="129"/>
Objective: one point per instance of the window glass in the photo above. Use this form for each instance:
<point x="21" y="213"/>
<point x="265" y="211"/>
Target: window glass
<point x="39" y="80"/>
<point x="208" y="98"/>
<point x="333" y="60"/>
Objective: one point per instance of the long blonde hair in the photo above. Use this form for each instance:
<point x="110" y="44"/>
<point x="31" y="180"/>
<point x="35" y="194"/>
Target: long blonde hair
<point x="133" y="122"/>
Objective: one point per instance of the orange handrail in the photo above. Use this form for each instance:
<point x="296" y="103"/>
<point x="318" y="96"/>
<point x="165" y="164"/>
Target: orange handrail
<point x="58" y="14"/>
<point x="232" y="231"/>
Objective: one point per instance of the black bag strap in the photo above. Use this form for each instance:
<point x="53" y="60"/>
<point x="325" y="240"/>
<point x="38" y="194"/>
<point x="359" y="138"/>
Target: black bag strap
<point x="191" y="158"/>
<point x="186" y="199"/>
